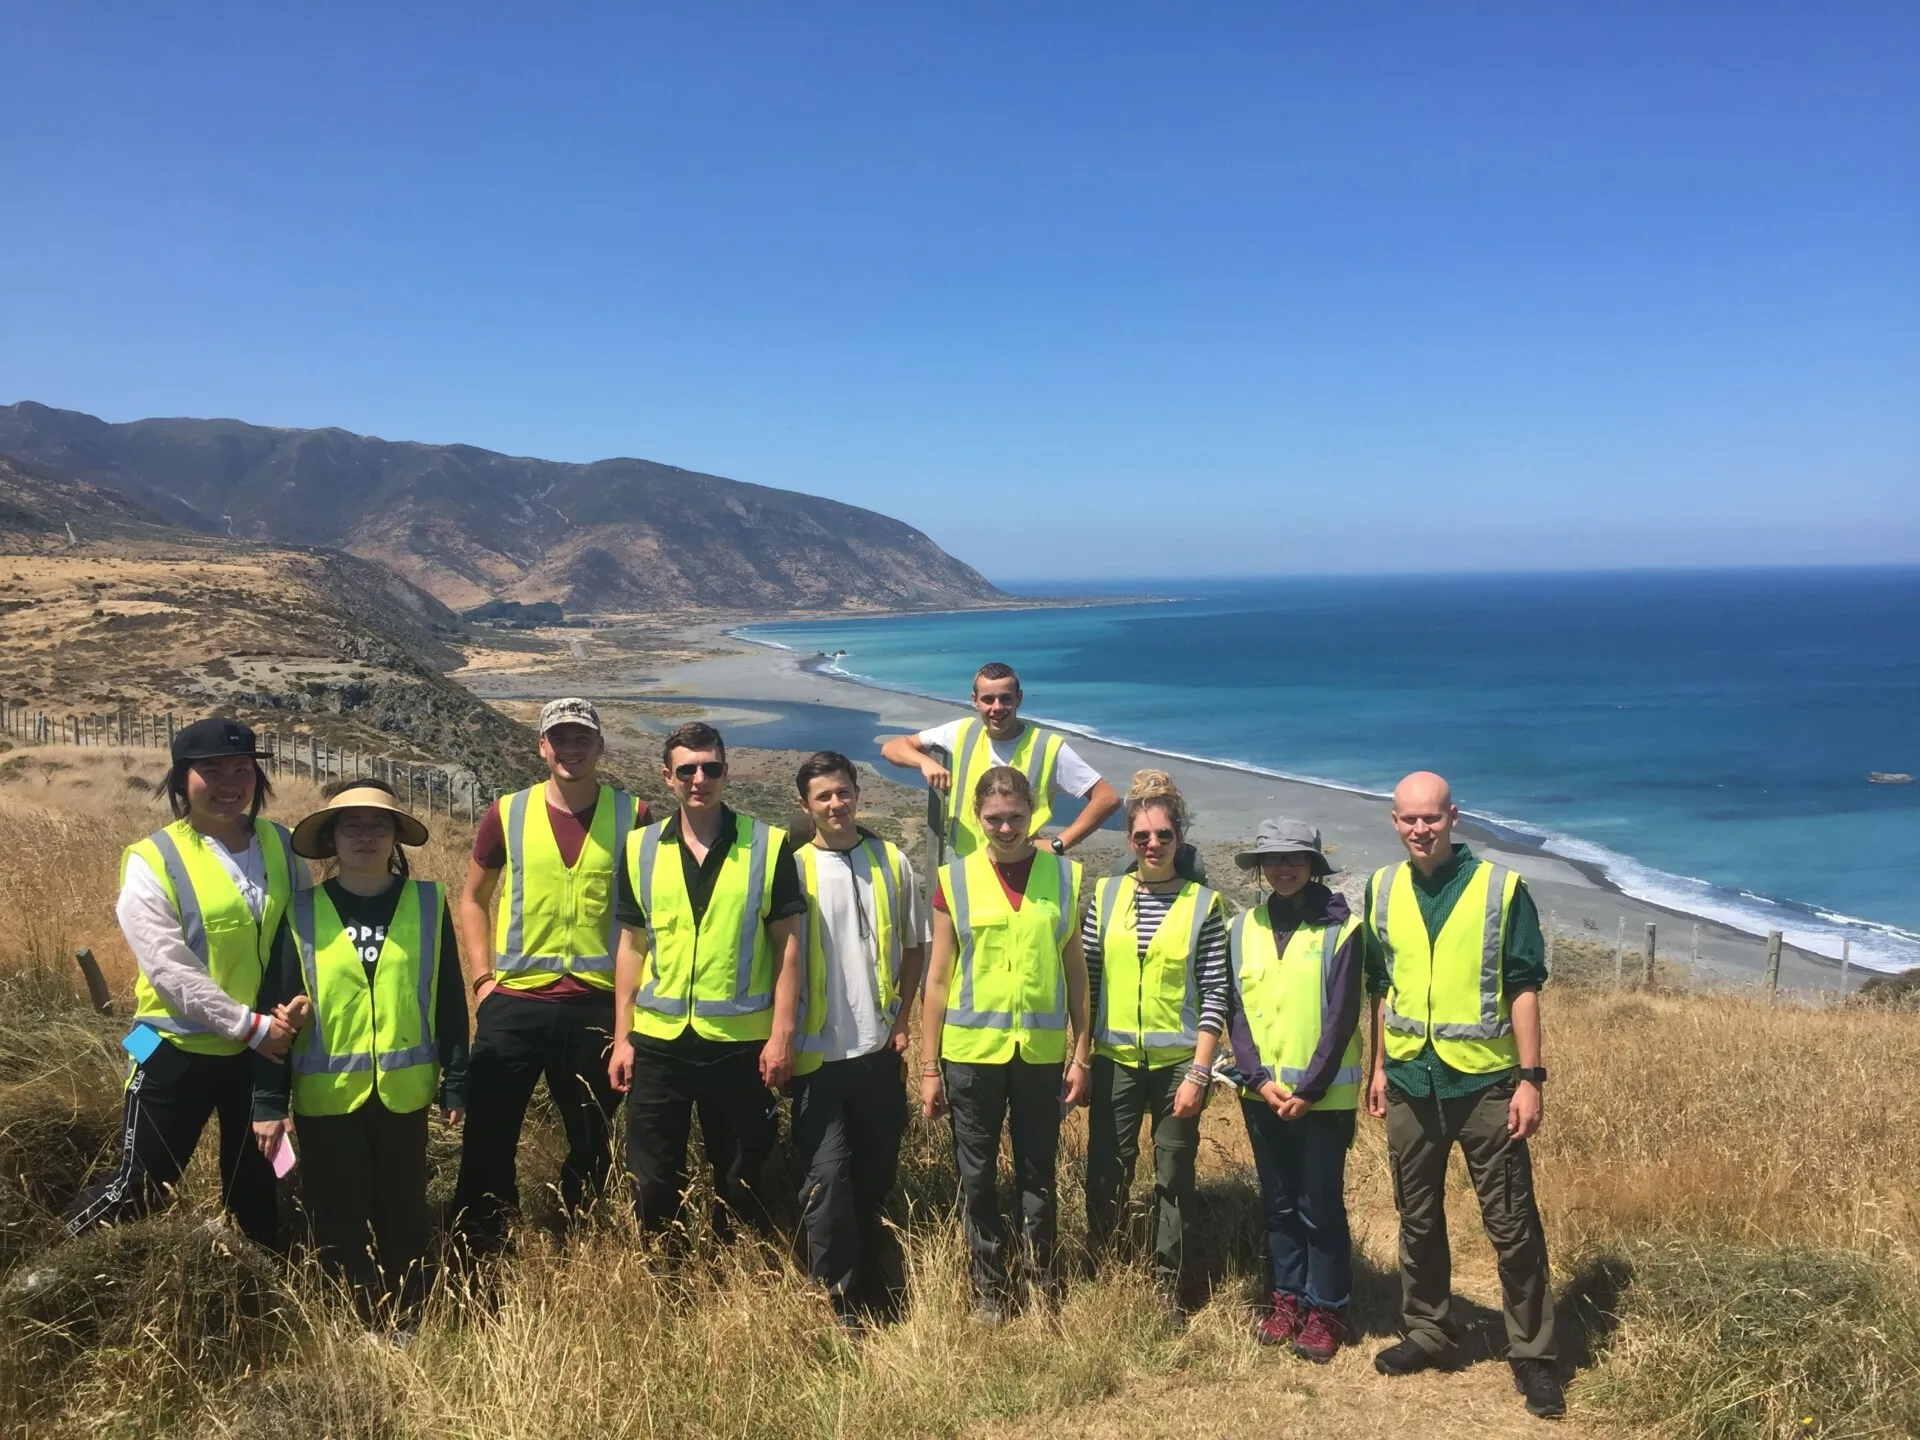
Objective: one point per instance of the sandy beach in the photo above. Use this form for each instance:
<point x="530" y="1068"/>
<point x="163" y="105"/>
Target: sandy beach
<point x="740" y="684"/>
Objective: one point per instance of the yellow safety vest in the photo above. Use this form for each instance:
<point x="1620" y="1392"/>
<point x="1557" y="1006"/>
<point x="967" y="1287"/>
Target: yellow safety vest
<point x="367" y="1038"/>
<point x="215" y="922"/>
<point x="1450" y="991"/>
<point x="1008" y="989"/>
<point x="1282" y="997"/>
<point x="555" y="920"/>
<point x="1035" y="756"/>
<point x="717" y="973"/>
<point x="1149" y="1013"/>
<point x="881" y="864"/>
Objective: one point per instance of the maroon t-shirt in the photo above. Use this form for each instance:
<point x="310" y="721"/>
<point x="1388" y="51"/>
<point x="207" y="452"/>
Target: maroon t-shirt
<point x="570" y="829"/>
<point x="1013" y="880"/>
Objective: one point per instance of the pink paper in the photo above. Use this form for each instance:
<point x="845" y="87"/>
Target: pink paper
<point x="283" y="1157"/>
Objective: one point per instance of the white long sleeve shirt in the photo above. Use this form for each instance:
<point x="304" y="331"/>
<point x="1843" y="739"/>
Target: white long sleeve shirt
<point x="159" y="945"/>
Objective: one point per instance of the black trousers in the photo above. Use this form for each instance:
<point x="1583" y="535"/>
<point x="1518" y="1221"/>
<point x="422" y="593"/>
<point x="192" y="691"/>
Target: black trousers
<point x="169" y="1100"/>
<point x="363" y="1184"/>
<point x="980" y="1098"/>
<point x="848" y="1118"/>
<point x="516" y="1043"/>
<point x="720" y="1079"/>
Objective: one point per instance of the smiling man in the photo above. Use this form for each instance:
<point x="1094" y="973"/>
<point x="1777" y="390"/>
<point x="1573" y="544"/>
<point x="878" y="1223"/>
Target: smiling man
<point x="542" y="970"/>
<point x="998" y="736"/>
<point x="1454" y="947"/>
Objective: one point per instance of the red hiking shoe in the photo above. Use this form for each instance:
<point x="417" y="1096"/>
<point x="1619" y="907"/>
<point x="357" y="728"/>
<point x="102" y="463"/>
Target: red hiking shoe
<point x="1321" y="1336"/>
<point x="1282" y="1323"/>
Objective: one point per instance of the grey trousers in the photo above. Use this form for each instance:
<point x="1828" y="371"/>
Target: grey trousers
<point x="1420" y="1135"/>
<point x="848" y="1117"/>
<point x="1026" y="1098"/>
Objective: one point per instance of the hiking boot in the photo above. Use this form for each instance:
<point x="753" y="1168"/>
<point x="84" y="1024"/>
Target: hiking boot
<point x="1409" y="1357"/>
<point x="1319" y="1339"/>
<point x="1536" y="1381"/>
<point x="1282" y="1323"/>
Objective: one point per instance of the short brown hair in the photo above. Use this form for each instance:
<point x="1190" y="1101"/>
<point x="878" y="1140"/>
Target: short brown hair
<point x="1002" y="780"/>
<point x="996" y="670"/>
<point x="824" y="762"/>
<point x="694" y="735"/>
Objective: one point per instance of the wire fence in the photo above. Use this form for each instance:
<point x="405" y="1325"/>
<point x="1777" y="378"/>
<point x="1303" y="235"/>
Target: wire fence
<point x="428" y="787"/>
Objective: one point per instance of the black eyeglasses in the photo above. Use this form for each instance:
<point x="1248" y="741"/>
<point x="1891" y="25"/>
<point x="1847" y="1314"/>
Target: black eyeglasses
<point x="712" y="769"/>
<point x="1141" y="837"/>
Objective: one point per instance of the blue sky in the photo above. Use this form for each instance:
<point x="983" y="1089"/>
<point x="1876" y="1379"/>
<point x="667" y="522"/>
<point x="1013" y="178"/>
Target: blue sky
<point x="1082" y="290"/>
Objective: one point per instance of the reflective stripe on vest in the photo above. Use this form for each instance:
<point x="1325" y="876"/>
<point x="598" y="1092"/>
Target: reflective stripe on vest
<point x="758" y="842"/>
<point x="613" y="816"/>
<point x="1125" y="964"/>
<point x="315" y="1053"/>
<point x="1297" y="996"/>
<point x="236" y="973"/>
<point x="870" y="858"/>
<point x="1035" y="756"/>
<point x="1417" y="964"/>
<point x="961" y="878"/>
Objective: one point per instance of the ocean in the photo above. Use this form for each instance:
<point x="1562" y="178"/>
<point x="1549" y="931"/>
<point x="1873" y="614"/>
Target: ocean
<point x="1703" y="737"/>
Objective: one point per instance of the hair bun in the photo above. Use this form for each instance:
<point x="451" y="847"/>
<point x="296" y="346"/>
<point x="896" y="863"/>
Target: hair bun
<point x="1151" y="785"/>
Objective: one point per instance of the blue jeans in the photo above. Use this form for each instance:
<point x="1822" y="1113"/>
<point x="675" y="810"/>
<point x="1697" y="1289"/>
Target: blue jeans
<point x="1303" y="1178"/>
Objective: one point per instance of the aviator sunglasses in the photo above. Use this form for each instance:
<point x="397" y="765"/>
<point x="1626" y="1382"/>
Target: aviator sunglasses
<point x="1141" y="837"/>
<point x="712" y="769"/>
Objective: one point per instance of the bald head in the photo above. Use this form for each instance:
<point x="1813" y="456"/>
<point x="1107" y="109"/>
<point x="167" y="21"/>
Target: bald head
<point x="1424" y="817"/>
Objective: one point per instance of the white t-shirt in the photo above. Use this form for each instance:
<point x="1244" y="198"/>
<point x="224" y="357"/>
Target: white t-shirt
<point x="1071" y="774"/>
<point x="855" y="1023"/>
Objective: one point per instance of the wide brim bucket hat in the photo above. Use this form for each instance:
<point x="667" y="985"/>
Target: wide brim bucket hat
<point x="311" y="833"/>
<point x="1284" y="836"/>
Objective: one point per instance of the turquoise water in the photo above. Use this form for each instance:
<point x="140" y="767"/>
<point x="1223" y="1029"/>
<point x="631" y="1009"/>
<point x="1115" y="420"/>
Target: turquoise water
<point x="1704" y="737"/>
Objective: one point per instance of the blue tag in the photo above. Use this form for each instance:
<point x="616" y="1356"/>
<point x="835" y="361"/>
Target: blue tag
<point x="141" y="1042"/>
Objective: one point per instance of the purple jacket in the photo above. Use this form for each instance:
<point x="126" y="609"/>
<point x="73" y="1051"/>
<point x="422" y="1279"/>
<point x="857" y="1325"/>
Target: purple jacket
<point x="1339" y="1000"/>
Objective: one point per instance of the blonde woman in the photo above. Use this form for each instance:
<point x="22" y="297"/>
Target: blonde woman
<point x="1156" y="950"/>
<point x="1005" y="1014"/>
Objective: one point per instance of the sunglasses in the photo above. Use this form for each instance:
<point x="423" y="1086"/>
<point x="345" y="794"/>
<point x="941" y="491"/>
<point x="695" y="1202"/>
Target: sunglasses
<point x="1141" y="837"/>
<point x="712" y="769"/>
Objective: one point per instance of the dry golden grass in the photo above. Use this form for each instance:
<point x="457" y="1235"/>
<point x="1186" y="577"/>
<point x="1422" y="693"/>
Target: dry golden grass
<point x="1729" y="1188"/>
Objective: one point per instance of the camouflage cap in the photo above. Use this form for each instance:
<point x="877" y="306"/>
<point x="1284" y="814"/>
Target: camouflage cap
<point x="570" y="711"/>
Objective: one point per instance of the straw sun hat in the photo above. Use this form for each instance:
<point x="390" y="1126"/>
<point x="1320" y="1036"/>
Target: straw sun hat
<point x="313" y="836"/>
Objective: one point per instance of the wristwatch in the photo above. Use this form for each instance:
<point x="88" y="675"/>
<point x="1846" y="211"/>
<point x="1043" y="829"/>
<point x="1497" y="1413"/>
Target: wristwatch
<point x="1059" y="846"/>
<point x="1536" y="1073"/>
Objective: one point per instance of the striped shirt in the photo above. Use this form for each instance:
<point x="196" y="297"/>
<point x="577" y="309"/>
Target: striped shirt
<point x="1212" y="979"/>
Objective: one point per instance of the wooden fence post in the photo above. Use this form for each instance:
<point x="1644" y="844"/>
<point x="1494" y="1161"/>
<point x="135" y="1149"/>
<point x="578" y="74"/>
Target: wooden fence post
<point x="1619" y="951"/>
<point x="1846" y="962"/>
<point x="1646" y="975"/>
<point x="1773" y="962"/>
<point x="96" y="982"/>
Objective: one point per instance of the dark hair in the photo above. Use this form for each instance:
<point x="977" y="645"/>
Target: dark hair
<point x="694" y="735"/>
<point x="323" y="837"/>
<point x="1003" y="780"/>
<point x="824" y="762"/>
<point x="173" y="785"/>
<point x="996" y="670"/>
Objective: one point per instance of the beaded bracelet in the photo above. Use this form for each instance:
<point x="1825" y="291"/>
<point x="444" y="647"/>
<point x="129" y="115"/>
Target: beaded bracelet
<point x="1200" y="1075"/>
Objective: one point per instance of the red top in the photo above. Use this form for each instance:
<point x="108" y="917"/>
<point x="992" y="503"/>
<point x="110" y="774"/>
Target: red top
<point x="570" y="835"/>
<point x="1013" y="880"/>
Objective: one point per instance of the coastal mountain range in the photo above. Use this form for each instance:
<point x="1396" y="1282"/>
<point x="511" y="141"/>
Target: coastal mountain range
<point x="469" y="526"/>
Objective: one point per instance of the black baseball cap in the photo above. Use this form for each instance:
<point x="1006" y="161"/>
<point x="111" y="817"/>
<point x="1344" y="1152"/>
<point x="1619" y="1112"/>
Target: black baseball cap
<point x="211" y="738"/>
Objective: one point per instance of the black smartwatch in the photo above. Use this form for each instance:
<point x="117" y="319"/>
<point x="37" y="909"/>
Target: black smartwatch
<point x="1536" y="1073"/>
<point x="1059" y="846"/>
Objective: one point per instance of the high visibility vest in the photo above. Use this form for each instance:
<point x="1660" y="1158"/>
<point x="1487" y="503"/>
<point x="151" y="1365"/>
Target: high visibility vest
<point x="214" y="921"/>
<point x="1282" y="997"/>
<point x="1008" y="990"/>
<point x="1451" y="990"/>
<point x="1149" y="1012"/>
<point x="368" y="1038"/>
<point x="717" y="973"/>
<point x="555" y="920"/>
<point x="881" y="864"/>
<point x="1035" y="756"/>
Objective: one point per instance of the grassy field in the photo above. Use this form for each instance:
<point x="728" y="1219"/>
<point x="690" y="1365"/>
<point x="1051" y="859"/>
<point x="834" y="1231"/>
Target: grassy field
<point x="1730" y="1191"/>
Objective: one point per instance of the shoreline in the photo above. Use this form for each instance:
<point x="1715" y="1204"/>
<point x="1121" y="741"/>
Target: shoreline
<point x="1574" y="893"/>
